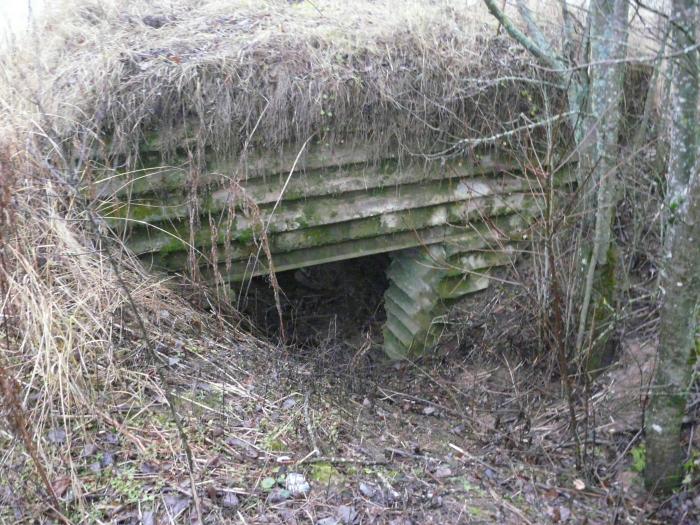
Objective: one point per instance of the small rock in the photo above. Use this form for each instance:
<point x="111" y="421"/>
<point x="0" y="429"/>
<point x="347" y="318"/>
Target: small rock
<point x="297" y="485"/>
<point x="289" y="403"/>
<point x="278" y="496"/>
<point x="88" y="450"/>
<point x="148" y="518"/>
<point x="366" y="403"/>
<point x="367" y="490"/>
<point x="330" y="520"/>
<point x="443" y="472"/>
<point x="57" y="436"/>
<point x="154" y="21"/>
<point x="107" y="459"/>
<point x="429" y="411"/>
<point x="230" y="500"/>
<point x="459" y="429"/>
<point x="347" y="515"/>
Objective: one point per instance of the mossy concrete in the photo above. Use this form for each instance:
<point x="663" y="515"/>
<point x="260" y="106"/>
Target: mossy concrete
<point x="449" y="220"/>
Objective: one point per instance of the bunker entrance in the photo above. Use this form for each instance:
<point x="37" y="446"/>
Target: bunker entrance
<point x="333" y="303"/>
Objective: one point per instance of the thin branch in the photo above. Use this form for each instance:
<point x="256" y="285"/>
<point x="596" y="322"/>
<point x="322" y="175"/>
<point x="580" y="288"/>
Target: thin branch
<point x="454" y="148"/>
<point x="549" y="59"/>
<point x="534" y="30"/>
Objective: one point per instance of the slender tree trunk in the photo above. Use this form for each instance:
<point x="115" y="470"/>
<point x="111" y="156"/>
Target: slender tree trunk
<point x="680" y="278"/>
<point x="609" y="29"/>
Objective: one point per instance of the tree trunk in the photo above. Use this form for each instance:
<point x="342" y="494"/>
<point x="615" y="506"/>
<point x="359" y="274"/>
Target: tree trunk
<point x="609" y="29"/>
<point x="680" y="277"/>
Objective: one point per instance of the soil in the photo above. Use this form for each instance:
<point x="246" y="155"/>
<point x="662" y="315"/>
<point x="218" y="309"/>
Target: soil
<point x="478" y="433"/>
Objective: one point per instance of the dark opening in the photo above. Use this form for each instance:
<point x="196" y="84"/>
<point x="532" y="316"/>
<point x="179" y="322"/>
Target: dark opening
<point x="340" y="302"/>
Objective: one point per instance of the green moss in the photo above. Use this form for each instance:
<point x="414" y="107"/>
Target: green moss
<point x="324" y="473"/>
<point x="639" y="458"/>
<point x="274" y="445"/>
<point x="245" y="235"/>
<point x="603" y="308"/>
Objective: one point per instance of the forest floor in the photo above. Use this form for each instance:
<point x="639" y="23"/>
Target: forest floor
<point x="333" y="434"/>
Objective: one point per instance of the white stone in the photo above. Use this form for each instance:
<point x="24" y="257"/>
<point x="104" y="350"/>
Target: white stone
<point x="296" y="484"/>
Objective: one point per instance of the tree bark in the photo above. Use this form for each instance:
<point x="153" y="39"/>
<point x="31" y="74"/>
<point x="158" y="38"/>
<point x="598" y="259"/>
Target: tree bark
<point x="609" y="30"/>
<point x="680" y="277"/>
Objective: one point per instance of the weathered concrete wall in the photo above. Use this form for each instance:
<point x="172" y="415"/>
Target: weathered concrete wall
<point x="327" y="205"/>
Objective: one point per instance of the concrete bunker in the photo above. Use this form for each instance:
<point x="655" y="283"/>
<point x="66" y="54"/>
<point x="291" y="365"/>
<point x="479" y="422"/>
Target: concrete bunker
<point x="287" y="138"/>
<point x="441" y="224"/>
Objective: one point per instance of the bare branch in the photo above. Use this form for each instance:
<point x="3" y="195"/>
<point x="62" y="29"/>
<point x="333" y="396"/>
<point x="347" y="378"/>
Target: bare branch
<point x="534" y="30"/>
<point x="545" y="56"/>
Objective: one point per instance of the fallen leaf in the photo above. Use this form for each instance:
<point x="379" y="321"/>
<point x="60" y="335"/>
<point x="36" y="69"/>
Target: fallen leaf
<point x="60" y="486"/>
<point x="278" y="496"/>
<point x="267" y="483"/>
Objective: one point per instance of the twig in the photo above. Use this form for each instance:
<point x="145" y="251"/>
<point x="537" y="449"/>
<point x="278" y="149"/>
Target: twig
<point x="341" y="460"/>
<point x="388" y="486"/>
<point x="310" y="426"/>
<point x="471" y="457"/>
<point x="460" y="144"/>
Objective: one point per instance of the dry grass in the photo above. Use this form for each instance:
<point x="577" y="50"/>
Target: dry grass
<point x="266" y="73"/>
<point x="71" y="343"/>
